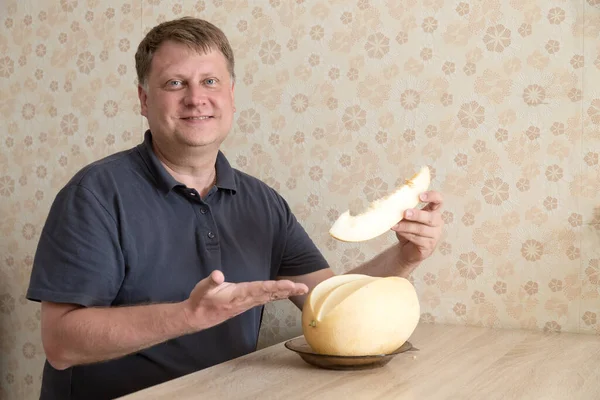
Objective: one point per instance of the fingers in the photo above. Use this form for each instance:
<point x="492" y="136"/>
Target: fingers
<point x="421" y="241"/>
<point x="406" y="228"/>
<point x="282" y="289"/>
<point x="434" y="199"/>
<point x="425" y="223"/>
<point x="214" y="280"/>
<point x="216" y="277"/>
<point x="428" y="215"/>
<point x="425" y="217"/>
<point x="262" y="292"/>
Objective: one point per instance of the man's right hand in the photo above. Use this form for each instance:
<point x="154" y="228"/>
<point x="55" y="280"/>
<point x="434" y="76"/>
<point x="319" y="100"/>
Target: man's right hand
<point x="213" y="300"/>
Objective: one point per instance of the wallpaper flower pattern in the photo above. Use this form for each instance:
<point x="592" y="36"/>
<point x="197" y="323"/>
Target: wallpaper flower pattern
<point x="338" y="101"/>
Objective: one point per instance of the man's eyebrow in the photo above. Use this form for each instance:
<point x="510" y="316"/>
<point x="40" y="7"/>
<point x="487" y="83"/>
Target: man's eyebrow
<point x="166" y="74"/>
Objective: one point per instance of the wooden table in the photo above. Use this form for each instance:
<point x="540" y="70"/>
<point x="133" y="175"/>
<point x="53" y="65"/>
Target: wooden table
<point x="454" y="362"/>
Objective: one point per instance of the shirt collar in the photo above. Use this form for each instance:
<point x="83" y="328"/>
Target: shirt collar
<point x="166" y="182"/>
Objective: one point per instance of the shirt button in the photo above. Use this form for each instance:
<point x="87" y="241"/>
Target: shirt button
<point x="203" y="210"/>
<point x="211" y="235"/>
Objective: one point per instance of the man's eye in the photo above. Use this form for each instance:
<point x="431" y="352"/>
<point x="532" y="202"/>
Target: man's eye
<point x="174" y="83"/>
<point x="211" y="81"/>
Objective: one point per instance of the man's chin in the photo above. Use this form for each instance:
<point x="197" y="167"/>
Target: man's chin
<point x="201" y="142"/>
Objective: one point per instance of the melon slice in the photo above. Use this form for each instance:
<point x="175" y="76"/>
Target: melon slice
<point x="360" y="315"/>
<point x="382" y="214"/>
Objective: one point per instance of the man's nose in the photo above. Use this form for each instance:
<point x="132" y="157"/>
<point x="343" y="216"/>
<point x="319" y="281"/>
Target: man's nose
<point x="195" y="95"/>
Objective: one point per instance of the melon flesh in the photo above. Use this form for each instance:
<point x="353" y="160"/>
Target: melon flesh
<point x="382" y="214"/>
<point x="360" y="316"/>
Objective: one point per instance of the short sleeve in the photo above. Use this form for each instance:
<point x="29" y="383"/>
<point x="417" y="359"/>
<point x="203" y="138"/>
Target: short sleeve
<point x="301" y="255"/>
<point x="78" y="258"/>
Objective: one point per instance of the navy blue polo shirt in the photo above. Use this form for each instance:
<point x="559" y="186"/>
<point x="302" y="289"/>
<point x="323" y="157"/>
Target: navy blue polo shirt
<point x="123" y="232"/>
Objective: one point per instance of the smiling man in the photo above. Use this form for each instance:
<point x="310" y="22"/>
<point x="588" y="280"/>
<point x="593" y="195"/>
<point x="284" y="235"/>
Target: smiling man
<point x="156" y="262"/>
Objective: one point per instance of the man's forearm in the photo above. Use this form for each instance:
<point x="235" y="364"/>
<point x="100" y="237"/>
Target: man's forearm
<point x="88" y="335"/>
<point x="386" y="263"/>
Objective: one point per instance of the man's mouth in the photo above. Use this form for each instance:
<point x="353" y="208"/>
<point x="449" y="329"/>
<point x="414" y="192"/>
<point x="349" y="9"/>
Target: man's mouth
<point x="197" y="118"/>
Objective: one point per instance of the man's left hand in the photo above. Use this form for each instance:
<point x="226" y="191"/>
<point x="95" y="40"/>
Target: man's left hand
<point x="420" y="230"/>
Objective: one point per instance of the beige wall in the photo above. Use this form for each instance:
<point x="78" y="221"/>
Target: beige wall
<point x="338" y="101"/>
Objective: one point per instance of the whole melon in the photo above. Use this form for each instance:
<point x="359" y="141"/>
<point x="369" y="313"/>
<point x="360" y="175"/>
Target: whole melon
<point x="358" y="315"/>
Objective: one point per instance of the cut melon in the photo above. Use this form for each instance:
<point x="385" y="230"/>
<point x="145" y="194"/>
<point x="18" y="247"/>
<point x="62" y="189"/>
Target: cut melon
<point x="357" y="315"/>
<point x="334" y="297"/>
<point x="382" y="214"/>
<point x="320" y="292"/>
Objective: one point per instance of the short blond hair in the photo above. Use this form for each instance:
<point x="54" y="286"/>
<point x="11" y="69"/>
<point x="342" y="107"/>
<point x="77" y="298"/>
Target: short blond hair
<point x="198" y="34"/>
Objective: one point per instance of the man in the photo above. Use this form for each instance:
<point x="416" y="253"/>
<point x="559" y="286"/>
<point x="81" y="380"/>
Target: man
<point x="155" y="262"/>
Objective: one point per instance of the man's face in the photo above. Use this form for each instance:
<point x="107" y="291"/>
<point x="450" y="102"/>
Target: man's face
<point x="189" y="98"/>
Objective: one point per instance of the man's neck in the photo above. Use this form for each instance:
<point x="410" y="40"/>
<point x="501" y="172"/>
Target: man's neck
<point x="196" y="172"/>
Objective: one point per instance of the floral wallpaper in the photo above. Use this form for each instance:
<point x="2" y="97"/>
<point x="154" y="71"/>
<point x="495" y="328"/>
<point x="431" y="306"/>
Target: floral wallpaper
<point x="338" y="101"/>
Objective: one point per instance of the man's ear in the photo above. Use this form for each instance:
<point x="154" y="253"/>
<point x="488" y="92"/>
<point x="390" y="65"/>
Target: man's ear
<point x="143" y="96"/>
<point x="233" y="94"/>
